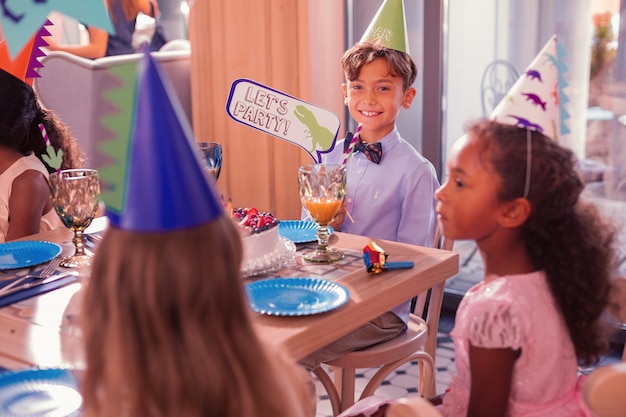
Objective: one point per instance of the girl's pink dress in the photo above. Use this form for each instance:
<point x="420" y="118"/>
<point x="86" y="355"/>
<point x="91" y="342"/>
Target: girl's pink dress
<point x="518" y="312"/>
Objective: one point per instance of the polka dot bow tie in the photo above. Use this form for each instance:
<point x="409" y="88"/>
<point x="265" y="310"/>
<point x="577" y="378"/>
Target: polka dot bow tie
<point x="373" y="151"/>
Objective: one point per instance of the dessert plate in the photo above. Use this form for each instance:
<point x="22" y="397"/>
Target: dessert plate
<point x="25" y="253"/>
<point x="34" y="392"/>
<point x="300" y="231"/>
<point x="281" y="255"/>
<point x="295" y="296"/>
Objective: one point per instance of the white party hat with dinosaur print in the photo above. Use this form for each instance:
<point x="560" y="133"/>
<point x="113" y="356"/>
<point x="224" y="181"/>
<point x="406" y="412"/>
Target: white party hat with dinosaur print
<point x="536" y="100"/>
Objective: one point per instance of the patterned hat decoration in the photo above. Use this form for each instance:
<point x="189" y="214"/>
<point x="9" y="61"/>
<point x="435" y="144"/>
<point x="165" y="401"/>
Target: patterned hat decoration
<point x="536" y="101"/>
<point x="166" y="186"/>
<point x="19" y="20"/>
<point x="388" y="27"/>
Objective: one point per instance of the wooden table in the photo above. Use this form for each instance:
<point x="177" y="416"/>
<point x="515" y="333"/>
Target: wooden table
<point x="44" y="330"/>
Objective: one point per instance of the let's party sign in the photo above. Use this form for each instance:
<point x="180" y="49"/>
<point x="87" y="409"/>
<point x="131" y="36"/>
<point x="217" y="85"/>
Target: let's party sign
<point x="312" y="128"/>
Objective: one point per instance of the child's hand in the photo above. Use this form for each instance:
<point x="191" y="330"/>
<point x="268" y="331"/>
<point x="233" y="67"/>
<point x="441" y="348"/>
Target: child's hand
<point x="338" y="220"/>
<point x="52" y="45"/>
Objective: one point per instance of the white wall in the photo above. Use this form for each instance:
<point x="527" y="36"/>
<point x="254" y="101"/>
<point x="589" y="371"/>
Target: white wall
<point x="480" y="31"/>
<point x="471" y="46"/>
<point x="326" y="40"/>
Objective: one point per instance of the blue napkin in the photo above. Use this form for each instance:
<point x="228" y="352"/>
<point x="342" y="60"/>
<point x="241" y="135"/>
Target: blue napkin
<point x="36" y="289"/>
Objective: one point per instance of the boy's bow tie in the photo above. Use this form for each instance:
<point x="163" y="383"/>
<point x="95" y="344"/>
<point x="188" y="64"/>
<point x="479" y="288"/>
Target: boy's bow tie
<point x="373" y="151"/>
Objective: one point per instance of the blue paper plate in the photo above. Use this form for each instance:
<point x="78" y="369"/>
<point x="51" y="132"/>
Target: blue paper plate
<point x="34" y="392"/>
<point x="295" y="296"/>
<point x="300" y="231"/>
<point x="26" y="253"/>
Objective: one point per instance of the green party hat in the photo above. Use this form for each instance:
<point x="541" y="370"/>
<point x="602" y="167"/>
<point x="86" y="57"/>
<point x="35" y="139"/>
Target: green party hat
<point x="389" y="27"/>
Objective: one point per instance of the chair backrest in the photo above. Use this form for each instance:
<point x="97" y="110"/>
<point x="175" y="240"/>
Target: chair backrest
<point x="428" y="304"/>
<point x="617" y="307"/>
<point x="498" y="78"/>
<point x="441" y="241"/>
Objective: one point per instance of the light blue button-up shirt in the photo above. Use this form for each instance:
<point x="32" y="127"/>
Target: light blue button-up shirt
<point x="394" y="200"/>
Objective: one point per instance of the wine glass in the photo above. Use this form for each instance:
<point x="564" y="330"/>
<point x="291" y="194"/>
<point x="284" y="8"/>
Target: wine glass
<point x="75" y="196"/>
<point x="211" y="155"/>
<point x="322" y="190"/>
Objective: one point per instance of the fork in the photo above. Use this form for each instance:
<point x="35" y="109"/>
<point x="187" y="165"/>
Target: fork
<point x="44" y="273"/>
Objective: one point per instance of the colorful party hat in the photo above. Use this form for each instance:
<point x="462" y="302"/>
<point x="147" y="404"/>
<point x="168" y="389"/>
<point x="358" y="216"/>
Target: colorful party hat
<point x="166" y="186"/>
<point x="389" y="27"/>
<point x="536" y="100"/>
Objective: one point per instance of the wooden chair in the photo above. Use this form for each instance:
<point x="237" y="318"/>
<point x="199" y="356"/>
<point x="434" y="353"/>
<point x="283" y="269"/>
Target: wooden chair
<point x="417" y="343"/>
<point x="497" y="80"/>
<point x="604" y="390"/>
<point x="617" y="309"/>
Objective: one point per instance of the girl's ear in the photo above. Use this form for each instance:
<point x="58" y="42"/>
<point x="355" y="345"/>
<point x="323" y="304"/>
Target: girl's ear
<point x="409" y="95"/>
<point x="344" y="88"/>
<point x="514" y="213"/>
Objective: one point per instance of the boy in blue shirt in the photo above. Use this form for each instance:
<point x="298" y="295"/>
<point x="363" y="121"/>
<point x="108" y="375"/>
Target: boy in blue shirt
<point x="390" y="196"/>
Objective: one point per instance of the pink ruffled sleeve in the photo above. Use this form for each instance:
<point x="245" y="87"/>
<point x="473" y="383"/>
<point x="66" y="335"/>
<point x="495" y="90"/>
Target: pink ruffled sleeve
<point x="495" y="326"/>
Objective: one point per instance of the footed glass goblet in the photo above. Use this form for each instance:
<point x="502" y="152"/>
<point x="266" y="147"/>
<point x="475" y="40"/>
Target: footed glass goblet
<point x="322" y="191"/>
<point x="211" y="154"/>
<point x="75" y="195"/>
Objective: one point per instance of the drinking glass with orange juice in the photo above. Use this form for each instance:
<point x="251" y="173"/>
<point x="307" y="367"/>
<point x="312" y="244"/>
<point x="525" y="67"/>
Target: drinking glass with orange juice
<point x="322" y="190"/>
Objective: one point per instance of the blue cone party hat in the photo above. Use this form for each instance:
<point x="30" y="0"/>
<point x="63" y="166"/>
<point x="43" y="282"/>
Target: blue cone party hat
<point x="166" y="186"/>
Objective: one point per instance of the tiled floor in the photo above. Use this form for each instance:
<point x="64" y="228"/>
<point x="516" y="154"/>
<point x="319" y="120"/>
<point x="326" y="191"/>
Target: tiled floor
<point x="402" y="383"/>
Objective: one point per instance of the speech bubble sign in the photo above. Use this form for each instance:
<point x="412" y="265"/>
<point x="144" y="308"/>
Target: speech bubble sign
<point x="312" y="128"/>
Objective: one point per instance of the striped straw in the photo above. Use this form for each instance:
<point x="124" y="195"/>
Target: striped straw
<point x="355" y="139"/>
<point x="44" y="134"/>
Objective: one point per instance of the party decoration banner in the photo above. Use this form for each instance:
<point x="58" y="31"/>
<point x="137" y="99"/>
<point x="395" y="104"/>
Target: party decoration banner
<point x="20" y="19"/>
<point x="24" y="65"/>
<point x="312" y="128"/>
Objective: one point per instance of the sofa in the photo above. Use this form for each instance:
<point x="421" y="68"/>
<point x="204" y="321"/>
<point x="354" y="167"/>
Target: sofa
<point x="72" y="88"/>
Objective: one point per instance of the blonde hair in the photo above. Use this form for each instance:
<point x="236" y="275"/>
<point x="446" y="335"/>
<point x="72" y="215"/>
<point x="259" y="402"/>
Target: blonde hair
<point x="168" y="331"/>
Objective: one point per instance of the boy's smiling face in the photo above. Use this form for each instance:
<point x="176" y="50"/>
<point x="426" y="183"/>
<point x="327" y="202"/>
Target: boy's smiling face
<point x="374" y="99"/>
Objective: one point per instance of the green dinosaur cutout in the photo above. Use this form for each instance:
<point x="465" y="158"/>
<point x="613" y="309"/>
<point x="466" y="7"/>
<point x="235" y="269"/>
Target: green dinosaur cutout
<point x="319" y="134"/>
<point x="53" y="158"/>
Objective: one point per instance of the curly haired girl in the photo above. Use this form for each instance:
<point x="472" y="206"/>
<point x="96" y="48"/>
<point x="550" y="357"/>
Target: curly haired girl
<point x="520" y="334"/>
<point x="25" y="205"/>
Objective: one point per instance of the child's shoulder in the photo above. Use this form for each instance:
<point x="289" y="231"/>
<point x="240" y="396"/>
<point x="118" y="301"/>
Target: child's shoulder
<point x="508" y="289"/>
<point x="401" y="146"/>
<point x="336" y="155"/>
<point x="405" y="156"/>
